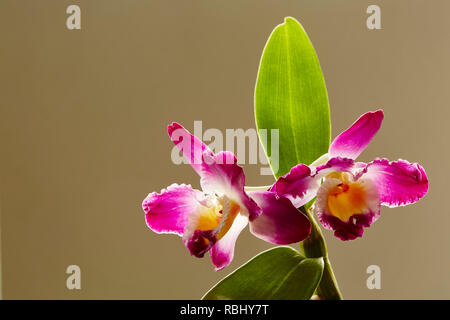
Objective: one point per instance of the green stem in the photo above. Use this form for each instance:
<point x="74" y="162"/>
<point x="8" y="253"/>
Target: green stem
<point x="315" y="247"/>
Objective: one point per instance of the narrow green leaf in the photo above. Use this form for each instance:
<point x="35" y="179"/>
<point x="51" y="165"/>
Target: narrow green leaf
<point x="291" y="96"/>
<point x="280" y="273"/>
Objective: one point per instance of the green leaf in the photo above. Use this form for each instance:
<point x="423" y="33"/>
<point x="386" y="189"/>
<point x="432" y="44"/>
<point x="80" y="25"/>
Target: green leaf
<point x="291" y="96"/>
<point x="280" y="273"/>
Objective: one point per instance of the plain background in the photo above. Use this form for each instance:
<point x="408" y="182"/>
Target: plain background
<point x="83" y="118"/>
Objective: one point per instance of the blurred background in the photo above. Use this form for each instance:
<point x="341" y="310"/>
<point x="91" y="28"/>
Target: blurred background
<point x="83" y="117"/>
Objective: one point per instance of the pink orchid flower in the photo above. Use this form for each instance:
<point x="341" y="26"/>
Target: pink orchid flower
<point x="349" y="193"/>
<point x="212" y="219"/>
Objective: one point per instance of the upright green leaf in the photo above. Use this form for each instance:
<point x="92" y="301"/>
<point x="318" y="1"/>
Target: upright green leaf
<point x="280" y="274"/>
<point x="291" y="96"/>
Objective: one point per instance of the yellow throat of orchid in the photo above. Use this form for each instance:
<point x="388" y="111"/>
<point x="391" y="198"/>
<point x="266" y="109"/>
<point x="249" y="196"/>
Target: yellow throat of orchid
<point x="219" y="216"/>
<point x="347" y="198"/>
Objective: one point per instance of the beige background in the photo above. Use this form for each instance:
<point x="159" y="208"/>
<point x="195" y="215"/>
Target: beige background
<point x="83" y="135"/>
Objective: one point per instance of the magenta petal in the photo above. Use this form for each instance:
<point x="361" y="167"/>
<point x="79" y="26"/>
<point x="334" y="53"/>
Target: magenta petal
<point x="168" y="211"/>
<point x="200" y="242"/>
<point x="350" y="230"/>
<point x="297" y="185"/>
<point x="222" y="251"/>
<point x="280" y="222"/>
<point x="353" y="141"/>
<point x="337" y="164"/>
<point x="191" y="147"/>
<point x="398" y="182"/>
<point x="300" y="185"/>
<point x="222" y="175"/>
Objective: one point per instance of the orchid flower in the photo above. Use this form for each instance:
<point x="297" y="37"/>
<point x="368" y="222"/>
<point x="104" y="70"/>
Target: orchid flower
<point x="212" y="219"/>
<point x="349" y="193"/>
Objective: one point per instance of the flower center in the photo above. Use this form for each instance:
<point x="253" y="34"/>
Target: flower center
<point x="346" y="198"/>
<point x="219" y="216"/>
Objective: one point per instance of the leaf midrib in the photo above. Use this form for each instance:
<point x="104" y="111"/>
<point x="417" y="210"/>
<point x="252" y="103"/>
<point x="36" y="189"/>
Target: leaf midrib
<point x="288" y="56"/>
<point x="277" y="288"/>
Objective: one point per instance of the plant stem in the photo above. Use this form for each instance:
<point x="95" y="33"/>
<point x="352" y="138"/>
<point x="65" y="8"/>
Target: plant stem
<point x="315" y="247"/>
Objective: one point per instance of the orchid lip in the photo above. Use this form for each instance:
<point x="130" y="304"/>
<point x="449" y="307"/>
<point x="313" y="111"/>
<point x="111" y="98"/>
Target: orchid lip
<point x="347" y="205"/>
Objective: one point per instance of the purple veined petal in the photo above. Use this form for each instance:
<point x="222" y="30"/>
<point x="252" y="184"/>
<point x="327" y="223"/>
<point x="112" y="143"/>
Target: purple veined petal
<point x="222" y="252"/>
<point x="280" y="222"/>
<point x="191" y="147"/>
<point x="350" y="224"/>
<point x="222" y="175"/>
<point x="353" y="141"/>
<point x="399" y="183"/>
<point x="169" y="211"/>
